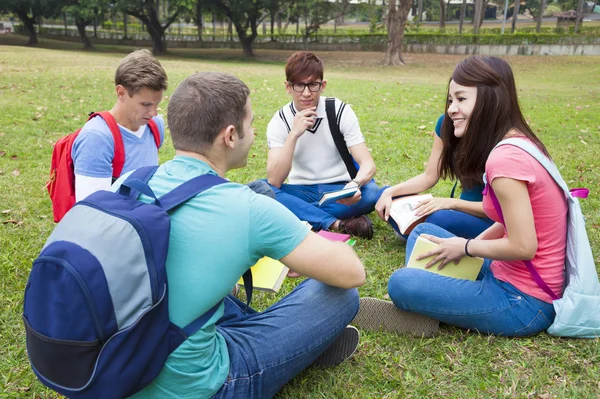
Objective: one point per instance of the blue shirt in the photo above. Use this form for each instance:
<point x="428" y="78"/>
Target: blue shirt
<point x="215" y="237"/>
<point x="474" y="194"/>
<point x="94" y="148"/>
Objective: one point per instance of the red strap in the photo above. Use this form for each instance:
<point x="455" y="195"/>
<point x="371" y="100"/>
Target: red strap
<point x="155" y="132"/>
<point x="119" y="156"/>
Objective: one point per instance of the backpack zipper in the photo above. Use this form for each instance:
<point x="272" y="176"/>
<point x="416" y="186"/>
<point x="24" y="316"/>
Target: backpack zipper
<point x="84" y="289"/>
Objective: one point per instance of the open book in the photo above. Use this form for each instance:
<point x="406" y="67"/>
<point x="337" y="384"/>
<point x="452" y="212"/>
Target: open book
<point x="337" y="194"/>
<point x="403" y="212"/>
<point x="267" y="274"/>
<point x="467" y="269"/>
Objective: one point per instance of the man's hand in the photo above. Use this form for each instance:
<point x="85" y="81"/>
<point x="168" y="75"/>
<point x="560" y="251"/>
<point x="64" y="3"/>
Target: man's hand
<point x="303" y="120"/>
<point x="428" y="206"/>
<point x="448" y="250"/>
<point x="384" y="205"/>
<point x="351" y="200"/>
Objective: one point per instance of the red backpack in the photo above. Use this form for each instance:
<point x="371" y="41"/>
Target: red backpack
<point x="61" y="185"/>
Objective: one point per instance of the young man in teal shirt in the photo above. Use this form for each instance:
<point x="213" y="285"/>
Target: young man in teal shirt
<point x="216" y="236"/>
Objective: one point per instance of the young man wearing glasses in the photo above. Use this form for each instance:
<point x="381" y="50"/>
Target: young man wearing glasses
<point x="302" y="150"/>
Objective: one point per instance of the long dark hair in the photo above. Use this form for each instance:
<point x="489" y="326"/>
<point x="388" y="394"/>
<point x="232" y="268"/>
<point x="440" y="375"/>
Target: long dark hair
<point x="495" y="113"/>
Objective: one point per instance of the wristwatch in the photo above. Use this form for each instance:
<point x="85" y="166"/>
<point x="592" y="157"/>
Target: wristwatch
<point x="357" y="182"/>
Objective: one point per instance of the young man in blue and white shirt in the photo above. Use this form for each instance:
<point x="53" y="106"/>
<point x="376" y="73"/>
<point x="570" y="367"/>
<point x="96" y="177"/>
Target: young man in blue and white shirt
<point x="140" y="82"/>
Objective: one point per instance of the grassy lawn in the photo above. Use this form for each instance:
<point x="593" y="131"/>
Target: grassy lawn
<point x="46" y="93"/>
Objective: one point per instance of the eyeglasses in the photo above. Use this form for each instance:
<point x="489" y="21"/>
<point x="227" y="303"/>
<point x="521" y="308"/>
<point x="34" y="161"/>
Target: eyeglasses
<point x="312" y="86"/>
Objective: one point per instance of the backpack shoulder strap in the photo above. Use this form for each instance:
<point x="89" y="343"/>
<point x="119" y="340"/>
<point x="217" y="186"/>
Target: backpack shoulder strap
<point x="155" y="132"/>
<point x="543" y="160"/>
<point x="338" y="139"/>
<point x="553" y="171"/>
<point x="119" y="157"/>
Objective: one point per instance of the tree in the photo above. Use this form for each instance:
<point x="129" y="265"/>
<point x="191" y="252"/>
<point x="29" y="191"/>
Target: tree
<point x="442" y="14"/>
<point x="514" y="17"/>
<point x="82" y="11"/>
<point x="147" y="12"/>
<point x="28" y="11"/>
<point x="463" y="9"/>
<point x="244" y="14"/>
<point x="397" y="16"/>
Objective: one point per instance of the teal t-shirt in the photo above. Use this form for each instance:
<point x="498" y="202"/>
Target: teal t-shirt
<point x="215" y="237"/>
<point x="474" y="194"/>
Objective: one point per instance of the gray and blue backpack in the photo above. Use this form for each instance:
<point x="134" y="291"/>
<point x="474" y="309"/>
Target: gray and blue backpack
<point x="96" y="303"/>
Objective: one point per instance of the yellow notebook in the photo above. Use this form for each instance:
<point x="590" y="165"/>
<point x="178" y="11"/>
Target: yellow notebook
<point x="467" y="269"/>
<point x="267" y="274"/>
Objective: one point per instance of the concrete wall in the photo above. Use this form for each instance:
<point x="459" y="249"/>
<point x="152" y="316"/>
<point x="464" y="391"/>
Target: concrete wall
<point x="482" y="49"/>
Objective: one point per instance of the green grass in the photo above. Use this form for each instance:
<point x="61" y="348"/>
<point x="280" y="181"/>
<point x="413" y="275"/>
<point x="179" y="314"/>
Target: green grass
<point x="46" y="93"/>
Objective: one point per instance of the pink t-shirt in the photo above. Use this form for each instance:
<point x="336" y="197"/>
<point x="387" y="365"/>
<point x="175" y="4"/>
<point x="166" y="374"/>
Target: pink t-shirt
<point x="549" y="206"/>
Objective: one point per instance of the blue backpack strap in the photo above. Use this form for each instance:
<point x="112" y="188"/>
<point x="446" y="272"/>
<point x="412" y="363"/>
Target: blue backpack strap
<point x="189" y="190"/>
<point x="143" y="175"/>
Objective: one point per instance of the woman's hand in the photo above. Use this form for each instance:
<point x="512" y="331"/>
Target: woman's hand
<point x="384" y="204"/>
<point x="448" y="250"/>
<point x="428" y="206"/>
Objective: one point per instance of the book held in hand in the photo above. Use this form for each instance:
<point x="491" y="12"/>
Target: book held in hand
<point x="337" y="195"/>
<point x="467" y="269"/>
<point x="267" y="274"/>
<point x="403" y="212"/>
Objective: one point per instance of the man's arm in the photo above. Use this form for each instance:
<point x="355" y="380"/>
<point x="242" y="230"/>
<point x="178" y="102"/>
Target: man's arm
<point x="333" y="263"/>
<point x="366" y="165"/>
<point x="279" y="159"/>
<point x="86" y="185"/>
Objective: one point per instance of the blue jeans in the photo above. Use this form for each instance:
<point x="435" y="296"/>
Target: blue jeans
<point x="458" y="223"/>
<point x="487" y="305"/>
<point x="303" y="201"/>
<point x="267" y="349"/>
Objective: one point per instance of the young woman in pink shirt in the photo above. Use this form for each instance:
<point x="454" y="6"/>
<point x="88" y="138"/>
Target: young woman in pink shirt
<point x="504" y="299"/>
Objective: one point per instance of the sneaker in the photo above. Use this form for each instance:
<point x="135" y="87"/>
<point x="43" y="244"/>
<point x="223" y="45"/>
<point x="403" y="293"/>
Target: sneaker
<point x="379" y="315"/>
<point x="359" y="226"/>
<point x="341" y="349"/>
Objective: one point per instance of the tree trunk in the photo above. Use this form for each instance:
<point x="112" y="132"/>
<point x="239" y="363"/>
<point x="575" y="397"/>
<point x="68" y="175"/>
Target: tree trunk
<point x="396" y="19"/>
<point x="214" y="26"/>
<point x="442" y="14"/>
<point x="199" y="20"/>
<point x="463" y="10"/>
<point x="538" y="27"/>
<point x="420" y="11"/>
<point x="65" y="22"/>
<point x="95" y="22"/>
<point x="29" y="24"/>
<point x="81" y="24"/>
<point x="125" y="25"/>
<point x="579" y="16"/>
<point x="273" y="26"/>
<point x="514" y="17"/>
<point x="477" y="16"/>
<point x="482" y="11"/>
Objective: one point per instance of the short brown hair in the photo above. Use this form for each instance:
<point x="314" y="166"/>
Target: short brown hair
<point x="201" y="106"/>
<point x="140" y="69"/>
<point x="303" y="65"/>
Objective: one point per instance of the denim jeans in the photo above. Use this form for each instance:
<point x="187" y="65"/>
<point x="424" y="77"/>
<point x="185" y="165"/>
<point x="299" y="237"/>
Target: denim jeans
<point x="487" y="305"/>
<point x="303" y="201"/>
<point x="267" y="349"/>
<point x="458" y="223"/>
